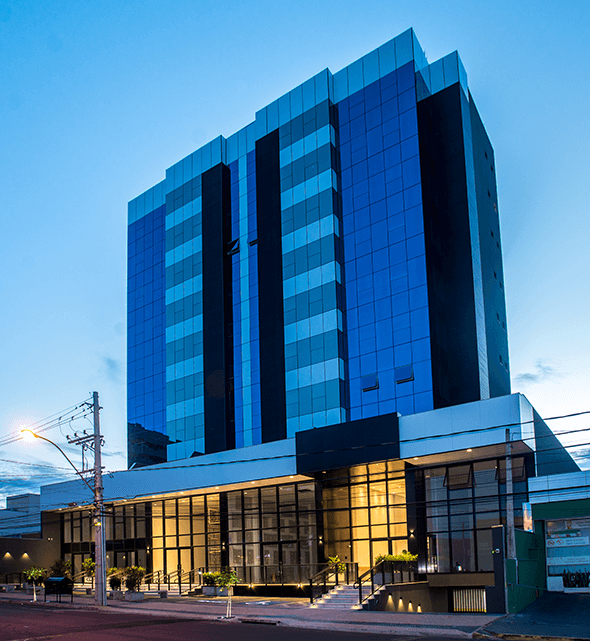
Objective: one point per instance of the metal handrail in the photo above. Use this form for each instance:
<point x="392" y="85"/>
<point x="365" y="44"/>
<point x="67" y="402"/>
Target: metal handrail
<point x="387" y="570"/>
<point x="338" y="572"/>
<point x="150" y="578"/>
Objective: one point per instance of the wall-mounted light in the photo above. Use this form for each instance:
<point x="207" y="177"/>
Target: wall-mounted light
<point x="470" y="450"/>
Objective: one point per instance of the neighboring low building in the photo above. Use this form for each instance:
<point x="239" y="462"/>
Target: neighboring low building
<point x="22" y="516"/>
<point x="561" y="503"/>
<point x="21" y="543"/>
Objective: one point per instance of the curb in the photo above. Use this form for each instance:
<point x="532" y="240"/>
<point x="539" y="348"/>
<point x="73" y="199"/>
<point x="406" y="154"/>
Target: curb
<point x="522" y="637"/>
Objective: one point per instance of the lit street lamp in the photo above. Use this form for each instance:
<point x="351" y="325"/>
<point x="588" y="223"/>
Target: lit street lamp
<point x="29" y="436"/>
<point x="100" y="595"/>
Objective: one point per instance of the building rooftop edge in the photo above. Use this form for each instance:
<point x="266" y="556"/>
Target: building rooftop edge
<point x="470" y="426"/>
<point x="395" y="53"/>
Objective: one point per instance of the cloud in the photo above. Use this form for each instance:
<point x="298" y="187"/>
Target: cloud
<point x="112" y="369"/>
<point x="118" y="454"/>
<point x="542" y="372"/>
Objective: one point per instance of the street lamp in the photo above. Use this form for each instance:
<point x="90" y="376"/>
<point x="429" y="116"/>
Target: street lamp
<point x="100" y="594"/>
<point x="29" y="436"/>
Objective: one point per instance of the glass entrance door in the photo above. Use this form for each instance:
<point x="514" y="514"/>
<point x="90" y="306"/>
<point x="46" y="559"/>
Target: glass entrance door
<point x="280" y="563"/>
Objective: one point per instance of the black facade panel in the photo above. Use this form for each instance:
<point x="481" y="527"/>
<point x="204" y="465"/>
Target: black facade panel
<point x="270" y="289"/>
<point x="359" y="441"/>
<point x="491" y="257"/>
<point x="448" y="249"/>
<point x="415" y="512"/>
<point x="216" y="207"/>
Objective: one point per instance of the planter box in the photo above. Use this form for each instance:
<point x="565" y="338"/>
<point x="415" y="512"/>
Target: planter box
<point x="131" y="596"/>
<point x="214" y="591"/>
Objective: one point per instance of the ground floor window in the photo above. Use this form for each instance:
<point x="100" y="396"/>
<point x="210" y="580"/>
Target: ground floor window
<point x="285" y="533"/>
<point x="462" y="502"/>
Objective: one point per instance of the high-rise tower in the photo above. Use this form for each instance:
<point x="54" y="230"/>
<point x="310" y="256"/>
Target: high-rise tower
<point x="337" y="259"/>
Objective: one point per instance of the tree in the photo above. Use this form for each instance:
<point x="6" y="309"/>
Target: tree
<point x="227" y="580"/>
<point x="34" y="574"/>
<point x="89" y="567"/>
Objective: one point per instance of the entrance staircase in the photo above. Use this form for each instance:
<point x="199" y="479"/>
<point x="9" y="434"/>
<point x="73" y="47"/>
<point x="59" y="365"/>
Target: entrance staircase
<point x="344" y="597"/>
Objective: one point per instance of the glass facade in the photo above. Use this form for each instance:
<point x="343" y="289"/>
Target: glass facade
<point x="284" y="533"/>
<point x="385" y="263"/>
<point x="243" y="249"/>
<point x="463" y="502"/>
<point x="358" y="324"/>
<point x="146" y="314"/>
<point x="270" y="534"/>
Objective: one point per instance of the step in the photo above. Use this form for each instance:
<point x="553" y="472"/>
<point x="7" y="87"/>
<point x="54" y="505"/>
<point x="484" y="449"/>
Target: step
<point x="342" y="597"/>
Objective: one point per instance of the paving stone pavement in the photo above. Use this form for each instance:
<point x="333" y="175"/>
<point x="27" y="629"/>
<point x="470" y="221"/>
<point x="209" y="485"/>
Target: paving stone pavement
<point x="299" y="613"/>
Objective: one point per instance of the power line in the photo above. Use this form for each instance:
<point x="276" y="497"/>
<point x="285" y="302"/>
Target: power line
<point x="54" y="421"/>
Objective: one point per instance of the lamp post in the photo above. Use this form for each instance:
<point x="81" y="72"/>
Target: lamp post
<point x="100" y="594"/>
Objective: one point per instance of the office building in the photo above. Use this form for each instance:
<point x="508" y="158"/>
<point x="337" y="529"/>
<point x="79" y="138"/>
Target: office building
<point x="317" y="347"/>
<point x="337" y="259"/>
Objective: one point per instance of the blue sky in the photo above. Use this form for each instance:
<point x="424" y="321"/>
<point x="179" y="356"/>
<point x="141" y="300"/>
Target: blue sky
<point x="99" y="98"/>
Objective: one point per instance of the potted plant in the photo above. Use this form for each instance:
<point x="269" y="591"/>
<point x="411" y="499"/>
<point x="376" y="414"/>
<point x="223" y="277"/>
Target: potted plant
<point x="397" y="571"/>
<point x="133" y="577"/>
<point x="227" y="579"/>
<point x="114" y="576"/>
<point x="210" y="582"/>
<point x="34" y="576"/>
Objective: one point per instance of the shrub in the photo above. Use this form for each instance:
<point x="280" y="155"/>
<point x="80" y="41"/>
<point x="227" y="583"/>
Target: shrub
<point x="133" y="576"/>
<point x="211" y="578"/>
<point x="340" y="566"/>
<point x="403" y="556"/>
<point x="60" y="568"/>
<point x="114" y="575"/>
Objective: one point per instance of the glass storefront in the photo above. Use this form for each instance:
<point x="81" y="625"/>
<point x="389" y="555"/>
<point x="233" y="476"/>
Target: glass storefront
<point x="283" y="534"/>
<point x="364" y="512"/>
<point x="463" y="501"/>
<point x="272" y="534"/>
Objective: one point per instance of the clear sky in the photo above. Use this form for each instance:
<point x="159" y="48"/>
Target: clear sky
<point x="99" y="97"/>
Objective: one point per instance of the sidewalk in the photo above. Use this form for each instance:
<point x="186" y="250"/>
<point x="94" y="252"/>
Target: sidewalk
<point x="553" y="616"/>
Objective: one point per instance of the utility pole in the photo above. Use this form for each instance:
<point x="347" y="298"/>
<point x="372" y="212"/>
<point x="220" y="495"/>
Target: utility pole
<point x="510" y="540"/>
<point x="510" y="545"/>
<point x="94" y="442"/>
<point x="100" y="596"/>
